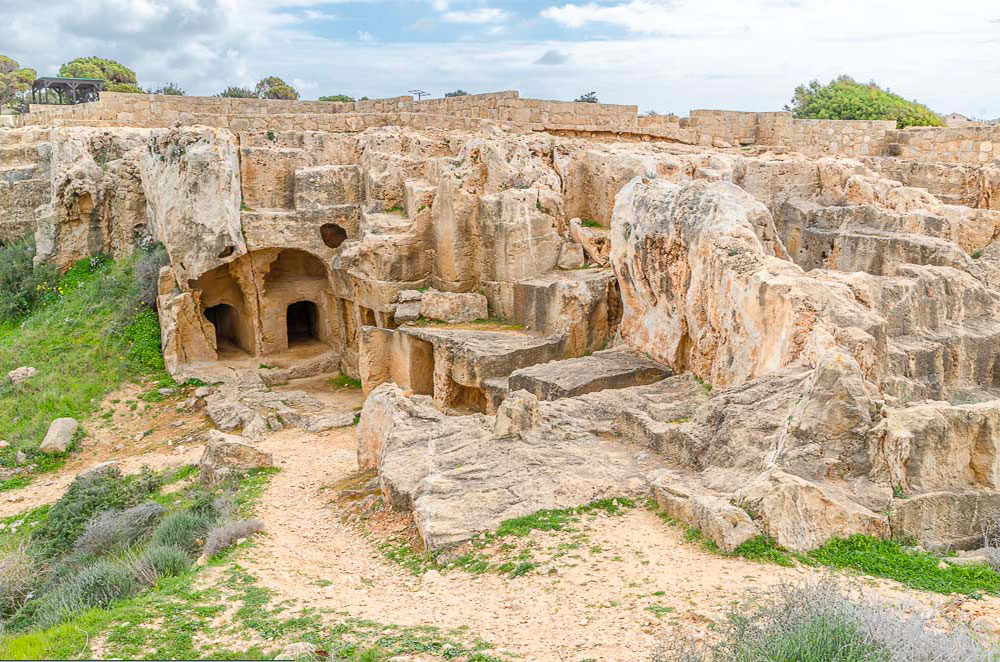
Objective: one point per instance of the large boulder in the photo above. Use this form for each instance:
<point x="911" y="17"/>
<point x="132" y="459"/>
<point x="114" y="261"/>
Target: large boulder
<point x="517" y="414"/>
<point x="728" y="526"/>
<point x="60" y="435"/>
<point x="227" y="454"/>
<point x="461" y="475"/>
<point x="801" y="515"/>
<point x="705" y="287"/>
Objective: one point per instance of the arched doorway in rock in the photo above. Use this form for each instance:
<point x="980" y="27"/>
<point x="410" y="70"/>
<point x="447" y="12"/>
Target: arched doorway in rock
<point x="302" y="323"/>
<point x="226" y="320"/>
<point x="225" y="307"/>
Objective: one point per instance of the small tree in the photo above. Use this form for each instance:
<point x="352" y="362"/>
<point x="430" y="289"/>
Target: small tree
<point x="846" y="99"/>
<point x="14" y="80"/>
<point x="342" y="98"/>
<point x="589" y="97"/>
<point x="457" y="93"/>
<point x="273" y="87"/>
<point x="233" y="92"/>
<point x="172" y="89"/>
<point x="119" y="78"/>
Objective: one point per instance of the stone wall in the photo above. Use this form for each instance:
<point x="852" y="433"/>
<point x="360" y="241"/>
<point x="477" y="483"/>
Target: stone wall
<point x="152" y="110"/>
<point x="810" y="137"/>
<point x="814" y="138"/>
<point x="824" y="137"/>
<point x="734" y="127"/>
<point x="974" y="145"/>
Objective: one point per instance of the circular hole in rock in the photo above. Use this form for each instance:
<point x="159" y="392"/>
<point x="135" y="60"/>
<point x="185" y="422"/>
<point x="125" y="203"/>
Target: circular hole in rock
<point x="227" y="251"/>
<point x="333" y="235"/>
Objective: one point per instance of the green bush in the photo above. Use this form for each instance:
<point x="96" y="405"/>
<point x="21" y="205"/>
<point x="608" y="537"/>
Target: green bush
<point x="97" y="585"/>
<point x="184" y="530"/>
<point x="821" y="622"/>
<point x="19" y="576"/>
<point x="846" y="99"/>
<point x="222" y="537"/>
<point x="113" y="530"/>
<point x="158" y="561"/>
<point x="96" y="491"/>
<point x="147" y="273"/>
<point x="21" y="283"/>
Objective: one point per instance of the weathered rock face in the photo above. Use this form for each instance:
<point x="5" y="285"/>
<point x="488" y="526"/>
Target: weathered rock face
<point x="452" y="307"/>
<point x="227" y="454"/>
<point x="190" y="178"/>
<point x="459" y="475"/>
<point x="811" y="359"/>
<point x="793" y="338"/>
<point x="686" y="257"/>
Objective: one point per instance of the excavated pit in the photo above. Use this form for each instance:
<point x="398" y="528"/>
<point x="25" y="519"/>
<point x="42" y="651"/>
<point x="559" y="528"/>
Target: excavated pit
<point x="540" y="319"/>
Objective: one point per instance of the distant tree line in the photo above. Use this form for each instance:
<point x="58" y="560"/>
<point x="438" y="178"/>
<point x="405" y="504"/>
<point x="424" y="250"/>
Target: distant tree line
<point x="842" y="98"/>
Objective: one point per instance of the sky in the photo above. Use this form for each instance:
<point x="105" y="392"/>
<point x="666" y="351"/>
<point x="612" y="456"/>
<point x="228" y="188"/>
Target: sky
<point x="662" y="55"/>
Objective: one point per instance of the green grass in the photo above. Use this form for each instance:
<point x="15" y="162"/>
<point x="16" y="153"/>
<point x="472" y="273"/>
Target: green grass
<point x="890" y="559"/>
<point x="765" y="550"/>
<point x="820" y="639"/>
<point x="590" y="223"/>
<point x="180" y="609"/>
<point x="85" y="338"/>
<point x="557" y="520"/>
<point x="506" y="560"/>
<point x="659" y="610"/>
<point x="867" y="555"/>
<point x="344" y="381"/>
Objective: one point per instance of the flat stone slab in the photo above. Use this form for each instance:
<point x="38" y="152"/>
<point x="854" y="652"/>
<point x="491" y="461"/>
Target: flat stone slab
<point x="613" y="368"/>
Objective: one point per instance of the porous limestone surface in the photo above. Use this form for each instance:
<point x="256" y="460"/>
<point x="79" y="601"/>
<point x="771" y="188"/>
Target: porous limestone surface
<point x="825" y="294"/>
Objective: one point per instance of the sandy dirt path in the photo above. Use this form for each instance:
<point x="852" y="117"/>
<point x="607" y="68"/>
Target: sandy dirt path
<point x="634" y="579"/>
<point x="598" y="606"/>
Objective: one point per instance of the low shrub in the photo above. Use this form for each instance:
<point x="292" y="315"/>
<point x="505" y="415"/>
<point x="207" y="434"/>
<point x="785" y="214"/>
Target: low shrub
<point x="113" y="529"/>
<point x="820" y="622"/>
<point x="147" y="273"/>
<point x="97" y="585"/>
<point x="222" y="537"/>
<point x="19" y="576"/>
<point x="22" y="284"/>
<point x="158" y="561"/>
<point x="184" y="530"/>
<point x="96" y="491"/>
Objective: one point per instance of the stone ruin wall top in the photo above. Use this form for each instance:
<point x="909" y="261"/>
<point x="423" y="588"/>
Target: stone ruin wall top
<point x="814" y="138"/>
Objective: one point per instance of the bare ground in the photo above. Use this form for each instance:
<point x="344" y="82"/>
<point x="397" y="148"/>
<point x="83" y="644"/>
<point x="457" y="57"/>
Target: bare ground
<point x="618" y="584"/>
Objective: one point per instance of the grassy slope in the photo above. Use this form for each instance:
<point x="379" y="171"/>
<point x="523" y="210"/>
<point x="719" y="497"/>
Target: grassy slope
<point x="86" y="338"/>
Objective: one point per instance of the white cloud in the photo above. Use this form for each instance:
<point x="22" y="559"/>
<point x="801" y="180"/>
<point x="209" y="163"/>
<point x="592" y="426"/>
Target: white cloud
<point x="476" y="16"/>
<point x="637" y="16"/>
<point x="365" y="36"/>
<point x="317" y="15"/>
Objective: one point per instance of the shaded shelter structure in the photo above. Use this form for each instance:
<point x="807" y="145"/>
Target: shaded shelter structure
<point x="67" y="90"/>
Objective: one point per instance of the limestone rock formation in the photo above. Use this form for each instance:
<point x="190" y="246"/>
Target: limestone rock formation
<point x="59" y="436"/>
<point x="227" y="454"/>
<point x="775" y="327"/>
